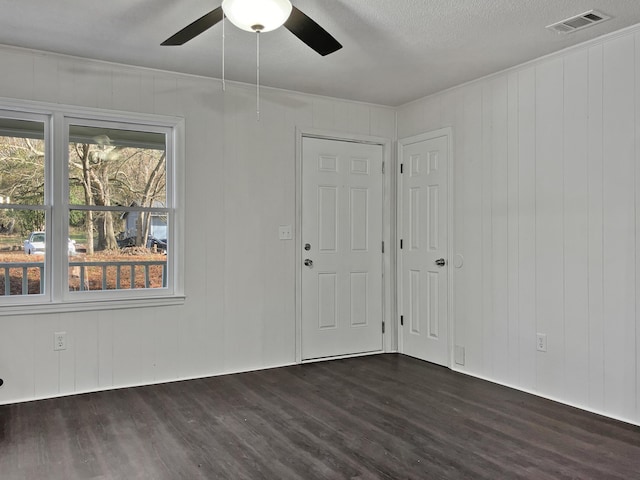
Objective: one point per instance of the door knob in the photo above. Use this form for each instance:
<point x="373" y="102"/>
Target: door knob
<point x="440" y="262"/>
<point x="308" y="262"/>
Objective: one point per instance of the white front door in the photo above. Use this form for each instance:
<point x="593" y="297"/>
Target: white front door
<point x="342" y="248"/>
<point x="423" y="254"/>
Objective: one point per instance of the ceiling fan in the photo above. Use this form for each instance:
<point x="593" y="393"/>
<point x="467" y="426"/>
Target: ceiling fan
<point x="261" y="16"/>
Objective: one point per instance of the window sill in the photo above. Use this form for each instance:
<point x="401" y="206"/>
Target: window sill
<point x="86" y="306"/>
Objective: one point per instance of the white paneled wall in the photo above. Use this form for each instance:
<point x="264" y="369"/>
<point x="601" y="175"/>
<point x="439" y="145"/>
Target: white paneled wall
<point x="547" y="217"/>
<point x="240" y="186"/>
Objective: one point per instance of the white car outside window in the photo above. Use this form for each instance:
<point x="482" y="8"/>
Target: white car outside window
<point x="35" y="244"/>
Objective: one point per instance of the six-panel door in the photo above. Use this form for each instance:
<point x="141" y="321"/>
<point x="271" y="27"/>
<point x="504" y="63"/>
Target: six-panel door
<point x="342" y="248"/>
<point x="423" y="257"/>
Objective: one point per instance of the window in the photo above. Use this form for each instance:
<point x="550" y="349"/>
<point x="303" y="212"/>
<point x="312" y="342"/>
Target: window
<point x="87" y="208"/>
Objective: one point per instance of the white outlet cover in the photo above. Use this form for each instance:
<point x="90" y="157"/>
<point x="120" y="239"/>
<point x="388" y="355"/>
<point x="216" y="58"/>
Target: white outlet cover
<point x="59" y="341"/>
<point x="285" y="232"/>
<point x="541" y="342"/>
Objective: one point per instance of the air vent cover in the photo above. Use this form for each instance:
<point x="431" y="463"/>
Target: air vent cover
<point x="578" y="22"/>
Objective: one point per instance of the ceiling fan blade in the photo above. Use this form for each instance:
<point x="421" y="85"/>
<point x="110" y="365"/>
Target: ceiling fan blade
<point x="311" y="33"/>
<point x="196" y="28"/>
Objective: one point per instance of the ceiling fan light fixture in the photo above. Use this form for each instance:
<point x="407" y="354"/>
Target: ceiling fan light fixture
<point x="257" y="15"/>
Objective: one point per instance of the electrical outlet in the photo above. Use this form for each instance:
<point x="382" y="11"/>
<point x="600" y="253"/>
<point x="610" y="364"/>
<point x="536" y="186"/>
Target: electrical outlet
<point x="60" y="341"/>
<point x="541" y="342"/>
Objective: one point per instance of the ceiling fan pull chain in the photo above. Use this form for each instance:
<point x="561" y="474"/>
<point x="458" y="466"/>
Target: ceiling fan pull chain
<point x="224" y="85"/>
<point x="258" y="74"/>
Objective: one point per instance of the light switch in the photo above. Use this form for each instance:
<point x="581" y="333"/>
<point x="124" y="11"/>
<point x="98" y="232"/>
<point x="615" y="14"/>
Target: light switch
<point x="285" y="232"/>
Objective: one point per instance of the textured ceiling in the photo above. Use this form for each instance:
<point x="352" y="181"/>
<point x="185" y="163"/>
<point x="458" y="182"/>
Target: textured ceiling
<point x="394" y="51"/>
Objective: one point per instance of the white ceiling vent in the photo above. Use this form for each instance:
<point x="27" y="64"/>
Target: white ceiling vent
<point x="578" y="22"/>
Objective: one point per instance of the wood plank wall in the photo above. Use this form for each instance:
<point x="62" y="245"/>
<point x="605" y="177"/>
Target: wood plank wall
<point x="547" y="217"/>
<point x="240" y="186"/>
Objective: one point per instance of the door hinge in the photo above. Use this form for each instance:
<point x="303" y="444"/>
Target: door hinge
<point x="402" y="320"/>
<point x="402" y="168"/>
<point x="383" y="167"/>
<point x="383" y="246"/>
<point x="400" y="244"/>
<point x="383" y="327"/>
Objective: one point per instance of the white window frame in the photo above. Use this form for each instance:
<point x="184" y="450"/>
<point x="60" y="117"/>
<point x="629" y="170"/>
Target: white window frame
<point x="57" y="297"/>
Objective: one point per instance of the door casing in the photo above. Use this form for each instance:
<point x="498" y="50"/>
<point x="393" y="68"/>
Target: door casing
<point x="388" y="220"/>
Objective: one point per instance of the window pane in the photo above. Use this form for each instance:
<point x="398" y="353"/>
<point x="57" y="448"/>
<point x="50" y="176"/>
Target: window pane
<point x="22" y="160"/>
<point x="122" y="250"/>
<point x="112" y="167"/>
<point x="22" y="265"/>
<point x="22" y="182"/>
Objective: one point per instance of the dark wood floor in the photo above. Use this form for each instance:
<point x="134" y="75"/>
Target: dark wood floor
<point x="384" y="416"/>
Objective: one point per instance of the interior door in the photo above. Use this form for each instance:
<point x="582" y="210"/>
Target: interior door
<point x="423" y="254"/>
<point x="342" y="248"/>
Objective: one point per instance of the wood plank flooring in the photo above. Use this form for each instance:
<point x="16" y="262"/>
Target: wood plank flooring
<point x="377" y="417"/>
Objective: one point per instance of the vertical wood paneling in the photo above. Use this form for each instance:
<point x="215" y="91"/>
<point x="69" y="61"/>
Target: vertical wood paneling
<point x="277" y="209"/>
<point x="86" y="356"/>
<point x="637" y="236"/>
<point x="486" y="229"/>
<point x="566" y="262"/>
<point x="432" y="114"/>
<point x="549" y="224"/>
<point x="243" y="260"/>
<point x="45" y="78"/>
<point x="468" y="322"/>
<point x="359" y="116"/>
<point x="165" y="95"/>
<point x="341" y="118"/>
<point x="323" y="115"/>
<point x="620" y="288"/>
<point x="146" y="101"/>
<point x="105" y="349"/>
<point x="499" y="227"/>
<point x="576" y="249"/>
<point x="133" y="347"/>
<point x="18" y="357"/>
<point x="382" y="122"/>
<point x="67" y="358"/>
<point x="126" y="89"/>
<point x="513" y="204"/>
<point x="595" y="234"/>
<point x="68" y="75"/>
<point x="92" y="85"/>
<point x="527" y="282"/>
<point x="240" y="185"/>
<point x="13" y="81"/>
<point x="411" y="122"/>
<point x="453" y="115"/>
<point x="166" y="333"/>
<point x="201" y="328"/>
<point x="46" y="361"/>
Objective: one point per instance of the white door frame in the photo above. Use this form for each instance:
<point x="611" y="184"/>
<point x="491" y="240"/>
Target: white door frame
<point x="388" y="338"/>
<point x="448" y="132"/>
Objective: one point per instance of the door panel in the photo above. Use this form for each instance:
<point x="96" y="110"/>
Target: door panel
<point x="342" y="223"/>
<point x="424" y="230"/>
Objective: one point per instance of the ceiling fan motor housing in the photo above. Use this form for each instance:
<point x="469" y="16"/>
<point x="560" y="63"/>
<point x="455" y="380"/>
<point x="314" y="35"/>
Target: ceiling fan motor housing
<point x="257" y="15"/>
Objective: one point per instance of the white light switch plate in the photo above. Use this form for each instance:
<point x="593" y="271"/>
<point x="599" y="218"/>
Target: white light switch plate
<point x="285" y="232"/>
